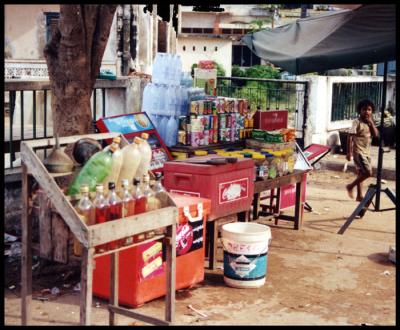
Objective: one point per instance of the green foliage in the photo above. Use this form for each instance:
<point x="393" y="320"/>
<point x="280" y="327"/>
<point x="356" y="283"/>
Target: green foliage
<point x="263" y="72"/>
<point x="257" y="24"/>
<point x="237" y="71"/>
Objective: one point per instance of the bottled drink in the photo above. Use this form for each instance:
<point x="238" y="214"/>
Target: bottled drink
<point x="114" y="212"/>
<point x="128" y="203"/>
<point x="146" y="155"/>
<point x="101" y="212"/>
<point x="96" y="169"/>
<point x="171" y="131"/>
<point x="117" y="161"/>
<point x="140" y="205"/>
<point x="163" y="126"/>
<point x="132" y="158"/>
<point x="85" y="209"/>
<point x="153" y="203"/>
<point x="178" y="69"/>
<point x="140" y="198"/>
<point x="158" y="187"/>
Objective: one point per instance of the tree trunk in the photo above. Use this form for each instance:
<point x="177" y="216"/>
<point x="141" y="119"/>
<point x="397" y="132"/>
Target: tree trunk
<point x="73" y="57"/>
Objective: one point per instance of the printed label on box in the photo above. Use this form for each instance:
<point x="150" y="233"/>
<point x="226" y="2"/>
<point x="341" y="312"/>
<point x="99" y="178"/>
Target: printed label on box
<point x="233" y="190"/>
<point x="189" y="237"/>
<point x="151" y="261"/>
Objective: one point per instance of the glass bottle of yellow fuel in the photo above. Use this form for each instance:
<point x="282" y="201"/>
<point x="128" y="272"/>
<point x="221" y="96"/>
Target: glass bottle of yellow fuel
<point x="86" y="211"/>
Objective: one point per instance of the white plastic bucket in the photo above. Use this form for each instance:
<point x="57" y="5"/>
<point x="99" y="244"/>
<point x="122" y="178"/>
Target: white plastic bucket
<point x="245" y="253"/>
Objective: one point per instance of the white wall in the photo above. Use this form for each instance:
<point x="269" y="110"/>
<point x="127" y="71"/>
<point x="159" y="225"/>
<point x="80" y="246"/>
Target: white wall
<point x="25" y="30"/>
<point x="198" y="20"/>
<point x="321" y="129"/>
<point x="223" y="54"/>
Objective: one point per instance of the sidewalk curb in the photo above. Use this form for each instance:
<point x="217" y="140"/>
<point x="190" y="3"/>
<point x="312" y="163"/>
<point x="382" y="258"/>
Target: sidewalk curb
<point x="387" y="173"/>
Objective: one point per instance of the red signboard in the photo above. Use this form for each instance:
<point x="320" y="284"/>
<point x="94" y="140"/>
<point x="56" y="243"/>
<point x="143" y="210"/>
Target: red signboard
<point x="269" y="120"/>
<point x="288" y="194"/>
<point x="134" y="124"/>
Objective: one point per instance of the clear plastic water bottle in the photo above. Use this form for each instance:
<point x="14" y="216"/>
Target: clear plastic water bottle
<point x="163" y="126"/>
<point x="146" y="97"/>
<point x="171" y="131"/>
<point x="178" y="69"/>
<point x="170" y="100"/>
<point x="156" y="68"/>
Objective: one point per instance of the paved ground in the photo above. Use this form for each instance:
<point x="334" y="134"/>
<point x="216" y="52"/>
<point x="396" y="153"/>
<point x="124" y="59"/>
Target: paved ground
<point x="314" y="277"/>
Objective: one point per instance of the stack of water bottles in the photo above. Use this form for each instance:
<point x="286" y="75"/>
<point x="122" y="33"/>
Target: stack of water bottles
<point x="168" y="96"/>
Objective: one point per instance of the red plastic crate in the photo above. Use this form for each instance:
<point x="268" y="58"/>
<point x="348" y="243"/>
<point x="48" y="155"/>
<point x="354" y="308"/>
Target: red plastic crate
<point x="142" y="274"/>
<point x="230" y="187"/>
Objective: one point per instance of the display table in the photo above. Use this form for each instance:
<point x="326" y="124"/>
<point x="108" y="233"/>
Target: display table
<point x="277" y="183"/>
<point x="189" y="150"/>
<point x="92" y="236"/>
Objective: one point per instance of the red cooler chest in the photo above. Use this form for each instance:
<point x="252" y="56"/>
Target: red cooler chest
<point x="230" y="187"/>
<point x="142" y="274"/>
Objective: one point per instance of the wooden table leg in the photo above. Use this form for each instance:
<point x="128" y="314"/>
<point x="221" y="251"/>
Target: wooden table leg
<point x="256" y="205"/>
<point x="26" y="254"/>
<point x="212" y="254"/>
<point x="243" y="216"/>
<point x="114" y="285"/>
<point x="298" y="210"/>
<point x="171" y="273"/>
<point x="87" y="264"/>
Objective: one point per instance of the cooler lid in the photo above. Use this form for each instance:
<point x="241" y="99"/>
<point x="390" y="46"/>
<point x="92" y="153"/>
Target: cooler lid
<point x="207" y="169"/>
<point x="192" y="204"/>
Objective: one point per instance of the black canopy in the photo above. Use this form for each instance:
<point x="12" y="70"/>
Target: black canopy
<point x="339" y="39"/>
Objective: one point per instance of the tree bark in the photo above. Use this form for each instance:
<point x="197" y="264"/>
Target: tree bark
<point x="73" y="57"/>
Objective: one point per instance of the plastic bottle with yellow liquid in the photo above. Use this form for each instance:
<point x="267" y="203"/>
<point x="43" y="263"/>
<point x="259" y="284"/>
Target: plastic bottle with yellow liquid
<point x="131" y="160"/>
<point x="146" y="154"/>
<point x="117" y="161"/>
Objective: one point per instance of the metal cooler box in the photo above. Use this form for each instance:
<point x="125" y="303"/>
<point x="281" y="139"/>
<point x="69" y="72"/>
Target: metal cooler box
<point x="230" y="187"/>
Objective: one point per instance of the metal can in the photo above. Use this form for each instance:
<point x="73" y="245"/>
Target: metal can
<point x="222" y="120"/>
<point x="210" y="136"/>
<point x="183" y="120"/>
<point x="221" y="135"/>
<point x="194" y="107"/>
<point x="210" y="121"/>
<point x="228" y="134"/>
<point x="228" y="120"/>
<point x="182" y="137"/>
<point x="188" y="135"/>
<point x="206" y="137"/>
<point x="201" y="107"/>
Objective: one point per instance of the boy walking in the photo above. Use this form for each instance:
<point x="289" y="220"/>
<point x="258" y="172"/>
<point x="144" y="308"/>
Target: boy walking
<point x="359" y="144"/>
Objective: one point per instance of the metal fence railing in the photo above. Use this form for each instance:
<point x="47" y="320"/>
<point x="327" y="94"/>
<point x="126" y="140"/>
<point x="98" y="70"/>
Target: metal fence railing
<point x="345" y="97"/>
<point x="270" y="94"/>
<point x="28" y="113"/>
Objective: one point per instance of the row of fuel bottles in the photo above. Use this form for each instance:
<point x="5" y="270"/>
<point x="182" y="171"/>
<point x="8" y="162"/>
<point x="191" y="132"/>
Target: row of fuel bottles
<point x="131" y="199"/>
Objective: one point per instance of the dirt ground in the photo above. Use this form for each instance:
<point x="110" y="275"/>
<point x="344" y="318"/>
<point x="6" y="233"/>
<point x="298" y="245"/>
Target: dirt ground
<point x="314" y="275"/>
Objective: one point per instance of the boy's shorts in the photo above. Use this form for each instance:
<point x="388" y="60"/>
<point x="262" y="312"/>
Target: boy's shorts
<point x="362" y="163"/>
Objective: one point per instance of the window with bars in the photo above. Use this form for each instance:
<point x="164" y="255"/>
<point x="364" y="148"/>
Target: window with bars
<point x="52" y="19"/>
<point x="198" y="30"/>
